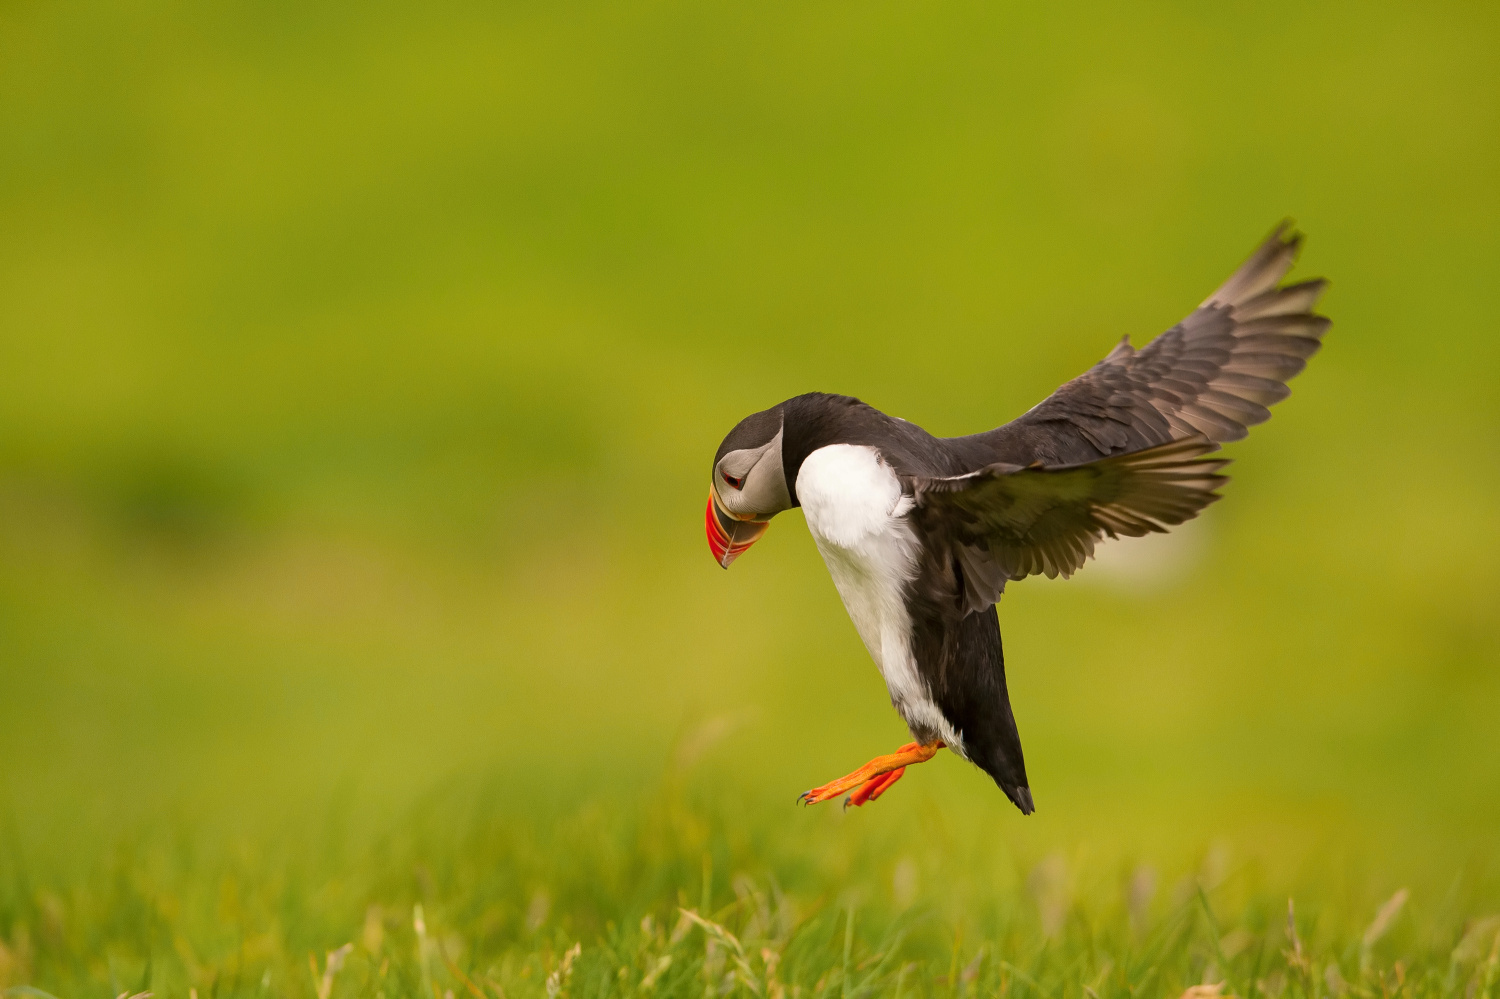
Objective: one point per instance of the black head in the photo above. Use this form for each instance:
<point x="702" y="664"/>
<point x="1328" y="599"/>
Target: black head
<point x="755" y="469"/>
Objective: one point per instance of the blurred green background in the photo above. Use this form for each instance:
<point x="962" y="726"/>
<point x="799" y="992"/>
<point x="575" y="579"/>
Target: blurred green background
<point x="361" y="367"/>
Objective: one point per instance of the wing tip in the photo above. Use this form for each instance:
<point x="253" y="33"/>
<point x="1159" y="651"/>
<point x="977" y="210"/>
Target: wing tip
<point x="1264" y="268"/>
<point x="1285" y="234"/>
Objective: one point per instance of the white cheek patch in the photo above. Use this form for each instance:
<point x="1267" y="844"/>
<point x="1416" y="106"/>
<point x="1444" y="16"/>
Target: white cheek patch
<point x="856" y="513"/>
<point x="762" y="491"/>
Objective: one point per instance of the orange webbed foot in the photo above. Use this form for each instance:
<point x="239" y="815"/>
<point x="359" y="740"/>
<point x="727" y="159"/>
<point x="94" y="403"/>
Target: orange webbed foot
<point x="873" y="788"/>
<point x="872" y="779"/>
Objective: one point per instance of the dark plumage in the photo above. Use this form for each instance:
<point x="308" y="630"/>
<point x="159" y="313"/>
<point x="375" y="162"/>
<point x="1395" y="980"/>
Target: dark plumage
<point x="942" y="524"/>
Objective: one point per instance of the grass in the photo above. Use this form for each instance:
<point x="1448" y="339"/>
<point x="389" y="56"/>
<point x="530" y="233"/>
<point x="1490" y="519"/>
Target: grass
<point x="681" y="893"/>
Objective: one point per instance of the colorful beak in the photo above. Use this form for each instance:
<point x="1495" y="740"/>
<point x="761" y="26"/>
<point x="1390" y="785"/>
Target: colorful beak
<point x="728" y="535"/>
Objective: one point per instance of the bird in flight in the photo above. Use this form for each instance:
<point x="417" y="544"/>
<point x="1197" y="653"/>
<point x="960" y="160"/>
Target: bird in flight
<point x="921" y="533"/>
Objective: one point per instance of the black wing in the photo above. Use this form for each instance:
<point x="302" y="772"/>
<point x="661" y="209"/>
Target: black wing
<point x="1212" y="374"/>
<point x="1007" y="522"/>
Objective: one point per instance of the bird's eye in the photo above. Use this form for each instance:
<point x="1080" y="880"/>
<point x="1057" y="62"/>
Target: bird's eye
<point x="734" y="481"/>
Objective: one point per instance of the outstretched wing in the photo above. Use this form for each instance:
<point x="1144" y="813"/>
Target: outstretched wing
<point x="1215" y="373"/>
<point x="1007" y="522"/>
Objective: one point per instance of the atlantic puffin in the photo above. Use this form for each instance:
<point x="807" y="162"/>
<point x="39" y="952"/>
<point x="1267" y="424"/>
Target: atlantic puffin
<point x="921" y="533"/>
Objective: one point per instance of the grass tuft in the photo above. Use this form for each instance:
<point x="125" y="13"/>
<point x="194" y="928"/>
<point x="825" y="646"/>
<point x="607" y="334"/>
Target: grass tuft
<point x="478" y="902"/>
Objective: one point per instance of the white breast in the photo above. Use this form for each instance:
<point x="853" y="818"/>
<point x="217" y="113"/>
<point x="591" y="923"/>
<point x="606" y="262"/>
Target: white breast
<point x="856" y="512"/>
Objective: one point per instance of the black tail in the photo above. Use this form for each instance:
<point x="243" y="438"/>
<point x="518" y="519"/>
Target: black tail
<point x="970" y="690"/>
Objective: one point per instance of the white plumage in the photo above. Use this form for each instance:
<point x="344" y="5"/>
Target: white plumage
<point x="857" y="515"/>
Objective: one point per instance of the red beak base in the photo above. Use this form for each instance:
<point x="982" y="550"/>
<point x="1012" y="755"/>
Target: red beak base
<point x="728" y="536"/>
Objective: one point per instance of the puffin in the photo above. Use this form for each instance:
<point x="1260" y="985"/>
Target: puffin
<point x="921" y="534"/>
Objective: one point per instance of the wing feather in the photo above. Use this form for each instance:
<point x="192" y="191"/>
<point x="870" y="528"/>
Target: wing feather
<point x="1022" y="521"/>
<point x="1215" y="373"/>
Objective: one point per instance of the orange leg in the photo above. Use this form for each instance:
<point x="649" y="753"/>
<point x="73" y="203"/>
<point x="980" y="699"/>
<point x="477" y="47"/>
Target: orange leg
<point x="878" y="767"/>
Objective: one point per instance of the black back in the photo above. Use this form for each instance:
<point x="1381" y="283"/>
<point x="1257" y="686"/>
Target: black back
<point x="819" y="419"/>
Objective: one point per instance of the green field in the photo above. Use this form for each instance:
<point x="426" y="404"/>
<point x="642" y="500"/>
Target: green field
<point x="360" y="371"/>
